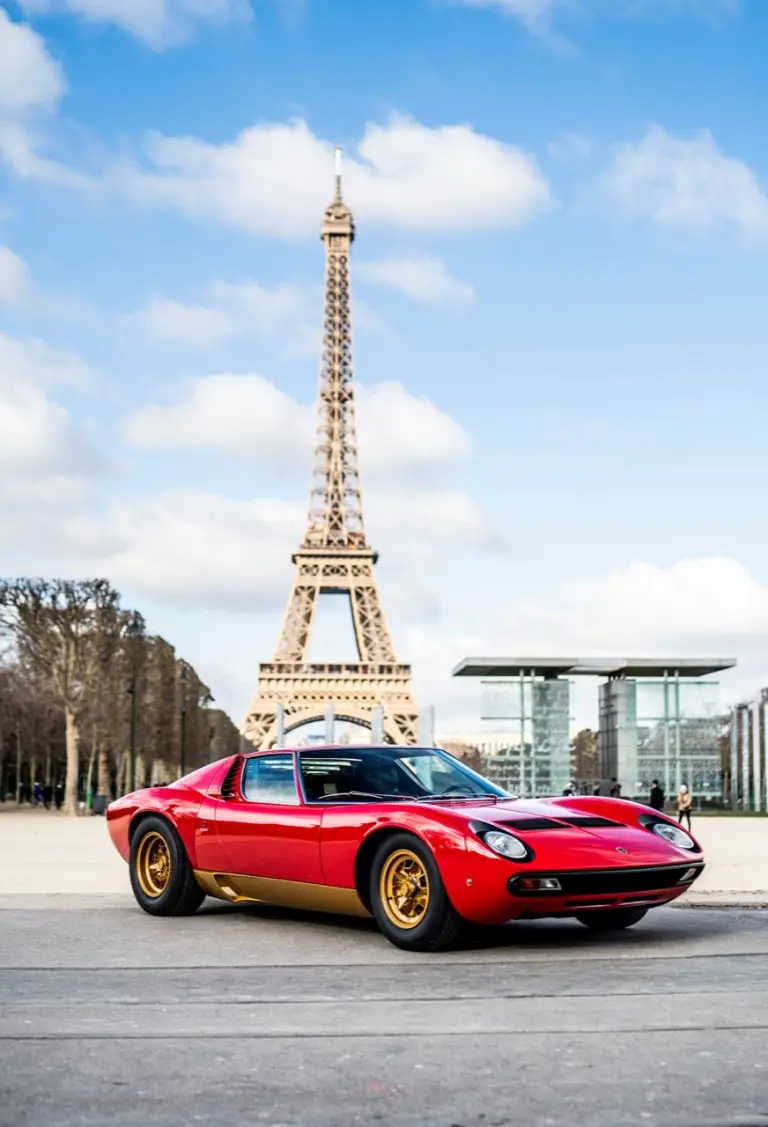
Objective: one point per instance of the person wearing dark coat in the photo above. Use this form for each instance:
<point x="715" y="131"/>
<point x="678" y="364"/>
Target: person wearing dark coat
<point x="656" y="798"/>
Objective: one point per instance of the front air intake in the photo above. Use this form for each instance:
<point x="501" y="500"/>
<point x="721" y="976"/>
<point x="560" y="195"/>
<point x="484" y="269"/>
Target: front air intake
<point x="229" y="785"/>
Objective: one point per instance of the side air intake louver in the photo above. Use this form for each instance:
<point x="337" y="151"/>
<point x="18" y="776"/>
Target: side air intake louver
<point x="229" y="786"/>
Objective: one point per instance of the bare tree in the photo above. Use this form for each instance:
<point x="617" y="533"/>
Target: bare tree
<point x="64" y="632"/>
<point x="584" y="755"/>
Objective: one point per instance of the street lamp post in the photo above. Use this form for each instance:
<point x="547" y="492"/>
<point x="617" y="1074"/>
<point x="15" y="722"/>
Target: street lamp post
<point x="135" y="631"/>
<point x="184" y="677"/>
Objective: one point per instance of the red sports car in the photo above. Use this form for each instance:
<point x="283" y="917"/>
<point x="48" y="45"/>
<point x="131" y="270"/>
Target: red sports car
<point x="408" y="835"/>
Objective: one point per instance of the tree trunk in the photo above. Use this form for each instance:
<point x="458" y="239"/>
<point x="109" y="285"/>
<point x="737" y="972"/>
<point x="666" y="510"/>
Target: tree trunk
<point x="103" y="781"/>
<point x="120" y="781"/>
<point x="19" y="785"/>
<point x="89" y="777"/>
<point x="73" y="762"/>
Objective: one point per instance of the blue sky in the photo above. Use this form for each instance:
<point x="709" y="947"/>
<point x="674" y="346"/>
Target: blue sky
<point x="560" y="338"/>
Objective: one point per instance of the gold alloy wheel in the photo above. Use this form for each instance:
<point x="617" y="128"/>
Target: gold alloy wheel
<point x="404" y="889"/>
<point x="153" y="864"/>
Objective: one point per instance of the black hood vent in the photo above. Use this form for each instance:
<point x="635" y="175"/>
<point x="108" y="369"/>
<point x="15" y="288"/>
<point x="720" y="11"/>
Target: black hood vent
<point x="586" y="821"/>
<point x="229" y="786"/>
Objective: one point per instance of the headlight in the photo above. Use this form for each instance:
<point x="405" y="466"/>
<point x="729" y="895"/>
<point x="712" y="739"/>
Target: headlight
<point x="505" y="844"/>
<point x="673" y="834"/>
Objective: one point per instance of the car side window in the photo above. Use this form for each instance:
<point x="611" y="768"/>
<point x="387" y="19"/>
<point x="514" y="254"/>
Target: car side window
<point x="270" y="778"/>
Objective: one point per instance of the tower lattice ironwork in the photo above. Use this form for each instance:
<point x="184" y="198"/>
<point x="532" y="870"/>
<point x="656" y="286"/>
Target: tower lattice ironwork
<point x="335" y="557"/>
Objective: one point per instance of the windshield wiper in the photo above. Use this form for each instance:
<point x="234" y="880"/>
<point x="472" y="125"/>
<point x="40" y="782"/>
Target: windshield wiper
<point x="447" y="794"/>
<point x="361" y="794"/>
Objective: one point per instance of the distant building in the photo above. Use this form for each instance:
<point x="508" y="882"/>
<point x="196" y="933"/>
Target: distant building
<point x="658" y="719"/>
<point x="745" y="751"/>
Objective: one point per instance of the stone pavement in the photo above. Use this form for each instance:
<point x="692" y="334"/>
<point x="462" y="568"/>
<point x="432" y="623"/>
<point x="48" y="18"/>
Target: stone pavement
<point x="45" y="854"/>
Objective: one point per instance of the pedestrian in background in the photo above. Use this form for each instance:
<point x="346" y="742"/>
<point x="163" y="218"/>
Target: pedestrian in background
<point x="615" y="788"/>
<point x="656" y="799"/>
<point x="684" y="804"/>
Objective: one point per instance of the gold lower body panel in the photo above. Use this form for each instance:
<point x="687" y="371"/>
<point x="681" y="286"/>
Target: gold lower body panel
<point x="239" y="889"/>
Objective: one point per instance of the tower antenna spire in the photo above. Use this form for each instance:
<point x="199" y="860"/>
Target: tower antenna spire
<point x="338" y="173"/>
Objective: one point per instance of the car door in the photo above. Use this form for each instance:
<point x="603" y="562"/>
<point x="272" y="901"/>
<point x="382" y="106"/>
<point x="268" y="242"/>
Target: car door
<point x="265" y="829"/>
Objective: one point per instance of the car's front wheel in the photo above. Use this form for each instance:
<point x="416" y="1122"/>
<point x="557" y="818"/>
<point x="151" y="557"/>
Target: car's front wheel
<point x="611" y="919"/>
<point x="408" y="897"/>
<point x="161" y="876"/>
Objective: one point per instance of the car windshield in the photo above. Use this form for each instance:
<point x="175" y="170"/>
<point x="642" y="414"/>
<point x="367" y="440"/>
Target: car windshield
<point x="367" y="774"/>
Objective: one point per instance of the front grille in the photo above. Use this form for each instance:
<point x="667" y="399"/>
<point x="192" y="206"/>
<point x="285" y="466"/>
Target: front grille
<point x="605" y="882"/>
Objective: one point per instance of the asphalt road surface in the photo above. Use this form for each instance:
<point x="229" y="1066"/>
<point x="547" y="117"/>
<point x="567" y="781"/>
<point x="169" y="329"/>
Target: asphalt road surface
<point x="257" y="1016"/>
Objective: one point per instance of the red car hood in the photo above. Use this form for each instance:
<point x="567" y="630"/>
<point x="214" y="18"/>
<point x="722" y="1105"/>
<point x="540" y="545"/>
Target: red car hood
<point x="566" y="844"/>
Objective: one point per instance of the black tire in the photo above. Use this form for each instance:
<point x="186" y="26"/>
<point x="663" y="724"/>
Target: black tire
<point x="440" y="926"/>
<point x="179" y="894"/>
<point x="611" y="919"/>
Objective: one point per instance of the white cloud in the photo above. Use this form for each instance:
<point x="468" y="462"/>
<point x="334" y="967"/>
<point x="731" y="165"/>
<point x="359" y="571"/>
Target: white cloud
<point x="34" y="362"/>
<point x="197" y="326"/>
<point x="699" y="607"/>
<point x="422" y="522"/>
<point x="644" y="608"/>
<point x="571" y="147"/>
<point x="422" y="279"/>
<point x="231" y="311"/>
<point x="225" y="412"/>
<point x="29" y="77"/>
<point x="399" y="433"/>
<point x="42" y="455"/>
<point x="15" y="282"/>
<point x="538" y="15"/>
<point x="216" y="553"/>
<point x="535" y="14"/>
<point x="687" y="183"/>
<point x="199" y="548"/>
<point x="32" y="84"/>
<point x="276" y="179"/>
<point x="159" y="23"/>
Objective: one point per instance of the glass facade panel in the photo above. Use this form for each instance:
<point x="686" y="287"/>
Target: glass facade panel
<point x="677" y="738"/>
<point x="699" y="699"/>
<point x="533" y="716"/>
<point x="650" y="700"/>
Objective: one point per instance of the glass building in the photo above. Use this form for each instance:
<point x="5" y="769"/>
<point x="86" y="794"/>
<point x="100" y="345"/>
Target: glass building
<point x="668" y="729"/>
<point x="658" y="719"/>
<point x="529" y="720"/>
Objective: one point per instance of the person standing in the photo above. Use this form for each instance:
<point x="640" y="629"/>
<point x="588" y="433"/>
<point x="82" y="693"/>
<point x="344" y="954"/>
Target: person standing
<point x="615" y="791"/>
<point x="656" y="799"/>
<point x="684" y="804"/>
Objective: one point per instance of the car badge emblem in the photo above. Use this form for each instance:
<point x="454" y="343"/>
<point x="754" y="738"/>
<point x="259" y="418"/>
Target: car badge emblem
<point x="620" y="850"/>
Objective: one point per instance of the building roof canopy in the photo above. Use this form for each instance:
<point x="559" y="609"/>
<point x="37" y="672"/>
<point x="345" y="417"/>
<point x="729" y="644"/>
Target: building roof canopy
<point x="591" y="666"/>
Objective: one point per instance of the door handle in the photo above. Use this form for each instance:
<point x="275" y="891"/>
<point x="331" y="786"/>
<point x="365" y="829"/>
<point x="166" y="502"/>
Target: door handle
<point x="204" y="827"/>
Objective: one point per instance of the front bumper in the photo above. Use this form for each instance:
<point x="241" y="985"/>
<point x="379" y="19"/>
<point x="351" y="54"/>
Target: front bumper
<point x="581" y="890"/>
<point x="483" y="889"/>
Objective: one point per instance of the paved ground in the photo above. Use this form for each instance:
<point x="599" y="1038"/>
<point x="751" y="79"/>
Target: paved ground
<point x="251" y="1015"/>
<point x="74" y="856"/>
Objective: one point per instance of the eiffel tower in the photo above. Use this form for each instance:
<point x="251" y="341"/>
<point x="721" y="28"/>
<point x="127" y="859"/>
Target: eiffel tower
<point x="335" y="557"/>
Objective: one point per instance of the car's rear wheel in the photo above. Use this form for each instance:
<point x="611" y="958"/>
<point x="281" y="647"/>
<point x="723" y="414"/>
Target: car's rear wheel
<point x="408" y="897"/>
<point x="161" y="876"/>
<point x="611" y="919"/>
